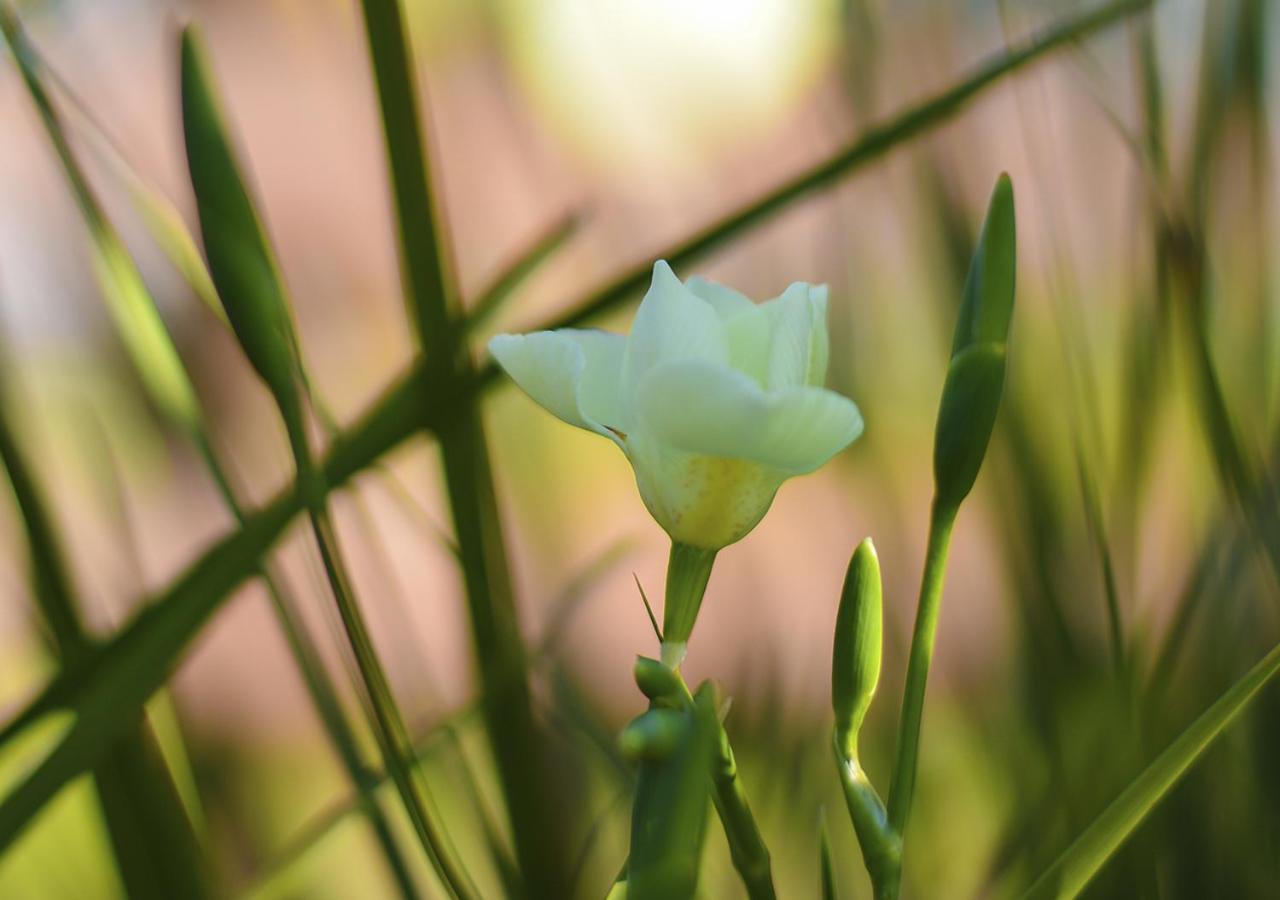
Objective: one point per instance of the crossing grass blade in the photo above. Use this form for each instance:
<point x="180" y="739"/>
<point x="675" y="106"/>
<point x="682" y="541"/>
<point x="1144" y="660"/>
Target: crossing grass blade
<point x="1074" y="869"/>
<point x="154" y="841"/>
<point x="156" y="358"/>
<point x="494" y="297"/>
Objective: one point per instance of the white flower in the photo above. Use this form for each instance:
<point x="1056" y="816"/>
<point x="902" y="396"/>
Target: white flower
<point x="714" y="399"/>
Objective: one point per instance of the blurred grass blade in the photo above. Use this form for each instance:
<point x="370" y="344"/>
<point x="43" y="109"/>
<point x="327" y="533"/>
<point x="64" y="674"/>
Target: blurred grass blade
<point x="158" y="213"/>
<point x="538" y="824"/>
<point x="156" y="359"/>
<point x="826" y="870"/>
<point x="1072" y="871"/>
<point x="868" y="147"/>
<point x="246" y="276"/>
<point x="128" y="300"/>
<point x="154" y="842"/>
<point x="491" y="299"/>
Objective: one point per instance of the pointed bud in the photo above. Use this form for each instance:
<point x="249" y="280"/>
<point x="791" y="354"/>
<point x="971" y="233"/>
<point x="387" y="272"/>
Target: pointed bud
<point x="241" y="261"/>
<point x="975" y="377"/>
<point x="855" y="657"/>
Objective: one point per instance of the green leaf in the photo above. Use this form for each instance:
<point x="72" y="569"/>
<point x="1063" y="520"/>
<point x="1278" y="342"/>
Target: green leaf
<point x="1073" y="870"/>
<point x="966" y="418"/>
<point x="129" y="302"/>
<point x="519" y="749"/>
<point x="855" y="655"/>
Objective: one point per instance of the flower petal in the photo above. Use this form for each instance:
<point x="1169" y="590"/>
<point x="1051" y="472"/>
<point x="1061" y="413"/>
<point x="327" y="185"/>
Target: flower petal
<point x="672" y="323"/>
<point x="704" y="408"/>
<point x="574" y="374"/>
<point x="819" y="340"/>
<point x="790" y="344"/>
<point x="727" y="302"/>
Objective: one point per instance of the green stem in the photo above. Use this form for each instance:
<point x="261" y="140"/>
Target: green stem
<point x="323" y="694"/>
<point x="881" y="846"/>
<point x="688" y="571"/>
<point x="747" y="849"/>
<point x="922" y="641"/>
<point x="390" y="731"/>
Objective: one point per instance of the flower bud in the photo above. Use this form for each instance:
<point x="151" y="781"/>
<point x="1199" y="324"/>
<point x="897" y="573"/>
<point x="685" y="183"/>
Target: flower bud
<point x="241" y="261"/>
<point x="653" y="735"/>
<point x="656" y="680"/>
<point x="855" y="656"/>
<point x="975" y="377"/>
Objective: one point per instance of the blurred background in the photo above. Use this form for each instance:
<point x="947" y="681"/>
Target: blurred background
<point x="1116" y="568"/>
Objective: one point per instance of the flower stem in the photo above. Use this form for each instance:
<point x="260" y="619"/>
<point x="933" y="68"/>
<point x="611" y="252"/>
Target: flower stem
<point x="922" y="640"/>
<point x="881" y="846"/>
<point x="688" y="571"/>
<point x="747" y="849"/>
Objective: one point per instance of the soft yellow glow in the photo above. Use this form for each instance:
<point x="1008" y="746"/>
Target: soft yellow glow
<point x="630" y="82"/>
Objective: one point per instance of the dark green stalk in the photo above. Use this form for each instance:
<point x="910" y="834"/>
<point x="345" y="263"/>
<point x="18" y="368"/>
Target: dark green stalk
<point x="922" y="641"/>
<point x="513" y="735"/>
<point x="246" y="276"/>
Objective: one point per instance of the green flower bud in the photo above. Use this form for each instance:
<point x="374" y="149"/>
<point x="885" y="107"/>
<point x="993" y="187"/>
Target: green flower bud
<point x="966" y="417"/>
<point x="653" y="735"/>
<point x="975" y="377"/>
<point x="669" y="817"/>
<point x="656" y="680"/>
<point x="986" y="307"/>
<point x="241" y="262"/>
<point x="855" y="656"/>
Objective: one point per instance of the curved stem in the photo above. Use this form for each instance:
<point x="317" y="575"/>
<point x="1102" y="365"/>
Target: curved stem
<point x="881" y="846"/>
